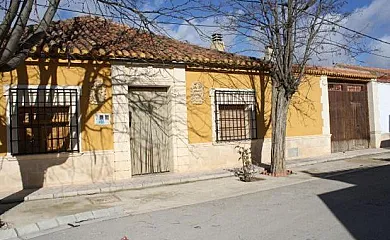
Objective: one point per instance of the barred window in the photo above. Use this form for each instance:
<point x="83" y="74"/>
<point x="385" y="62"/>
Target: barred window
<point x="43" y="120"/>
<point x="235" y="115"/>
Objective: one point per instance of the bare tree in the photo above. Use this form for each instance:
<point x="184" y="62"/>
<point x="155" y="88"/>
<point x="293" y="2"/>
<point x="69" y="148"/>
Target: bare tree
<point x="19" y="31"/>
<point x="295" y="31"/>
<point x="14" y="46"/>
<point x="292" y="29"/>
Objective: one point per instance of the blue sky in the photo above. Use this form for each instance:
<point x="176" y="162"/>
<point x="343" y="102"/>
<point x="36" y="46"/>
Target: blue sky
<point x="351" y="5"/>
<point x="369" y="17"/>
<point x="372" y="18"/>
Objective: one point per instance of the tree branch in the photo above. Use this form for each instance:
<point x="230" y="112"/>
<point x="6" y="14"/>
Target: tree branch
<point x="12" y="44"/>
<point x="8" y="19"/>
<point x="18" y="51"/>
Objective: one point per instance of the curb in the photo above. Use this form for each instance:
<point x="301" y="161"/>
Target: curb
<point x="75" y="219"/>
<point x="171" y="181"/>
<point x="131" y="186"/>
<point x="312" y="162"/>
<point x="332" y="159"/>
<point x="45" y="226"/>
<point x="70" y="220"/>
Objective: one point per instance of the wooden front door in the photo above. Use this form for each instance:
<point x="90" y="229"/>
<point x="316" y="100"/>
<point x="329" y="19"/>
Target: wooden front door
<point x="349" y="122"/>
<point x="149" y="135"/>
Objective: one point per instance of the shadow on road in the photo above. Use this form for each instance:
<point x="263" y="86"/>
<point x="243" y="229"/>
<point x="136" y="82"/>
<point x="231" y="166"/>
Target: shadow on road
<point x="363" y="209"/>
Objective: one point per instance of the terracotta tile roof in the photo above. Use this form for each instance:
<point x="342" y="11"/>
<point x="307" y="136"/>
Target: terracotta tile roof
<point x="90" y="37"/>
<point x="338" y="72"/>
<point x="381" y="74"/>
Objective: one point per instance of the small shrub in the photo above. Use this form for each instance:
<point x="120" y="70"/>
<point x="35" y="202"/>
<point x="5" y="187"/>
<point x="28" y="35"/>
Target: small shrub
<point x="246" y="172"/>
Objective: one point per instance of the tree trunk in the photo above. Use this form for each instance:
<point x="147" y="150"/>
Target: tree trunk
<point x="280" y="103"/>
<point x="14" y="50"/>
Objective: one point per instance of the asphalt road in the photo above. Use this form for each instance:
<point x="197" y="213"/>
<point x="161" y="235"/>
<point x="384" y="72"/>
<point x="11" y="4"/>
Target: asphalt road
<point x="346" y="206"/>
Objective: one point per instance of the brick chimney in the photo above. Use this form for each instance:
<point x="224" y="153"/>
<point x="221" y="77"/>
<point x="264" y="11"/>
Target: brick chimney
<point x="217" y="42"/>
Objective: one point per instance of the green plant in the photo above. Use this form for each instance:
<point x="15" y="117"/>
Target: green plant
<point x="246" y="172"/>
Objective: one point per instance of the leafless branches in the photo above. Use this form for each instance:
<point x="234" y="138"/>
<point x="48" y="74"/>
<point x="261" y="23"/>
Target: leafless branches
<point x="296" y="31"/>
<point x="14" y="46"/>
<point x="17" y="35"/>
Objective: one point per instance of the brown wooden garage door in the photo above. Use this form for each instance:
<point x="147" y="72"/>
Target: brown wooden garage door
<point x="348" y="108"/>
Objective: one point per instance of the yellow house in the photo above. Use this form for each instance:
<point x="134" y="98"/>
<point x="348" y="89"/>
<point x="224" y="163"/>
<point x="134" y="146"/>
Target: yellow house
<point x="98" y="101"/>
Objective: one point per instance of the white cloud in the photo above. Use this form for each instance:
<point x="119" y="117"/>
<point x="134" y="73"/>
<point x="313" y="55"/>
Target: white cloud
<point x="200" y="33"/>
<point x="152" y="5"/>
<point x="373" y="20"/>
<point x="334" y="48"/>
<point x="383" y="49"/>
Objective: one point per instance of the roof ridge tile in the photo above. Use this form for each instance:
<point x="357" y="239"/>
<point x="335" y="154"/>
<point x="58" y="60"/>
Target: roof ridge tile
<point x="97" y="37"/>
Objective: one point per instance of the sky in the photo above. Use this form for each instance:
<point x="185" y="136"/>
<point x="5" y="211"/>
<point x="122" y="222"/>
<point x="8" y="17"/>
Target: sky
<point x="370" y="17"/>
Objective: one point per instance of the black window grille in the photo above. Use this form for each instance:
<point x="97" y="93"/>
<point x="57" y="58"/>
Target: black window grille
<point x="235" y="115"/>
<point x="43" y="120"/>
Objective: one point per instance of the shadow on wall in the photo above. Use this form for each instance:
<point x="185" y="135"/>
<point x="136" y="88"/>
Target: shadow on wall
<point x="263" y="117"/>
<point x="152" y="99"/>
<point x="385" y="143"/>
<point x="302" y="105"/>
<point x="33" y="176"/>
<point x="302" y="111"/>
<point x="33" y="169"/>
<point x="201" y="127"/>
<point x="364" y="208"/>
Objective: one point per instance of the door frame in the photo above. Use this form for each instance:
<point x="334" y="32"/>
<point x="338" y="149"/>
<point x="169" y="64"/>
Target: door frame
<point x="368" y="115"/>
<point x="125" y="74"/>
<point x="159" y="88"/>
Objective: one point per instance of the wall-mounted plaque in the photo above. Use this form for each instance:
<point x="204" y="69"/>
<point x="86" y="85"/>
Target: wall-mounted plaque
<point x="97" y="94"/>
<point x="197" y="93"/>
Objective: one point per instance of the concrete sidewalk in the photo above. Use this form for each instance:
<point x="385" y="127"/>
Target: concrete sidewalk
<point x="157" y="180"/>
<point x="99" y="201"/>
<point x="336" y="156"/>
<point x="137" y="182"/>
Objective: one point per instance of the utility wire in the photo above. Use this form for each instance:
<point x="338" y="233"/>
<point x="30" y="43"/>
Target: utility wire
<point x="214" y="26"/>
<point x="117" y="17"/>
<point x="352" y="30"/>
<point x="342" y="45"/>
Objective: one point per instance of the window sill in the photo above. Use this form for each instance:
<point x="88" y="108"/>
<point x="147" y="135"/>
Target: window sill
<point x="233" y="142"/>
<point x="41" y="156"/>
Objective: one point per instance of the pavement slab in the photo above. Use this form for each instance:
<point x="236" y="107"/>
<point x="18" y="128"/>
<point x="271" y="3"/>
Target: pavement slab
<point x="29" y="216"/>
<point x="329" y="205"/>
